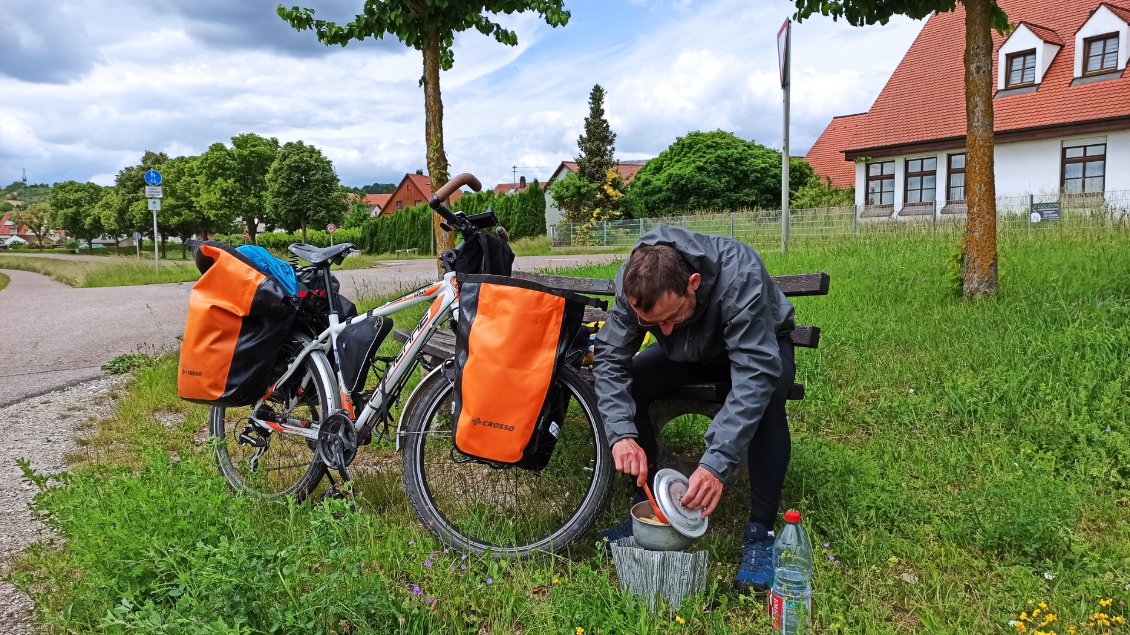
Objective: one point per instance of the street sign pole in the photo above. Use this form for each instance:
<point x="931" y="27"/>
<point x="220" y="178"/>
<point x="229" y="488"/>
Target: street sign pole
<point x="154" y="195"/>
<point x="784" y="41"/>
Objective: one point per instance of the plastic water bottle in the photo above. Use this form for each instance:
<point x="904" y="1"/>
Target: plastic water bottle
<point x="790" y="599"/>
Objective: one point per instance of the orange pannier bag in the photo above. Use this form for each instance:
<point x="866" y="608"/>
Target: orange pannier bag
<point x="238" y="320"/>
<point x="511" y="339"/>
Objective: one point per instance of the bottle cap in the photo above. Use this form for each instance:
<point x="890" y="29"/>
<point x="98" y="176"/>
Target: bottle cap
<point x="792" y="516"/>
<point x="670" y="486"/>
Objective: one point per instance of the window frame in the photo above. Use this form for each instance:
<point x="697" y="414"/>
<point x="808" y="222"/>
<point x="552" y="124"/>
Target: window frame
<point x="1008" y="69"/>
<point x="951" y="171"/>
<point x="880" y="177"/>
<point x="1064" y="161"/>
<point x="921" y="174"/>
<point x="1091" y="41"/>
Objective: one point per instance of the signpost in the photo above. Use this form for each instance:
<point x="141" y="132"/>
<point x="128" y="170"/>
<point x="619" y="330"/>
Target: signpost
<point x="137" y="243"/>
<point x="784" y="39"/>
<point x="330" y="229"/>
<point x="1045" y="212"/>
<point x="154" y="194"/>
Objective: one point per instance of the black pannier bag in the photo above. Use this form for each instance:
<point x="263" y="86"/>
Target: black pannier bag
<point x="238" y="320"/>
<point x="313" y="300"/>
<point x="484" y="254"/>
<point x="511" y="341"/>
<point x="358" y="342"/>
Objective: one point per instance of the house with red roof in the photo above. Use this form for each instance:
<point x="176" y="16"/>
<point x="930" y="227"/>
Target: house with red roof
<point x="553" y="215"/>
<point x="1061" y="113"/>
<point x="506" y="189"/>
<point x="413" y="190"/>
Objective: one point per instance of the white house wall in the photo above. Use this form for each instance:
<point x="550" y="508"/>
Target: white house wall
<point x="1022" y="40"/>
<point x="1022" y="167"/>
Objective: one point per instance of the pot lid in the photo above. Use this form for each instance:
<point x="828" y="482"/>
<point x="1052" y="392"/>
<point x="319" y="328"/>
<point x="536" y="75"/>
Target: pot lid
<point x="670" y="486"/>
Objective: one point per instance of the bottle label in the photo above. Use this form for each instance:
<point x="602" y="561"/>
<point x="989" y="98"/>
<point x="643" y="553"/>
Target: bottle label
<point x="782" y="610"/>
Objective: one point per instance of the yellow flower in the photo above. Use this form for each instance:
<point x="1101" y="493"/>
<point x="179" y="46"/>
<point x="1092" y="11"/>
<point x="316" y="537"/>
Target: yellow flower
<point x="1043" y="605"/>
<point x="557" y="581"/>
<point x="1071" y="630"/>
<point x="1021" y="628"/>
<point x="1118" y="619"/>
<point x="1031" y="602"/>
<point x="679" y="619"/>
<point x="1024" y="617"/>
<point x="893" y="560"/>
<point x="1035" y="613"/>
<point x="1105" y="603"/>
<point x="580" y="631"/>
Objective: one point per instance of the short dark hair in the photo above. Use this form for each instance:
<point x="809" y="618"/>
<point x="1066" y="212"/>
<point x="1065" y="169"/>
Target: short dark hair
<point x="653" y="271"/>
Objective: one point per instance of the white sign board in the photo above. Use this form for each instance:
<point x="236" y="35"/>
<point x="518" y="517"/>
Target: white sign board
<point x="783" y="52"/>
<point x="154" y="204"/>
<point x="153" y="191"/>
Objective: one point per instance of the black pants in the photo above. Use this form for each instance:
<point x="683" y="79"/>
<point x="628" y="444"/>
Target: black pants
<point x="656" y="377"/>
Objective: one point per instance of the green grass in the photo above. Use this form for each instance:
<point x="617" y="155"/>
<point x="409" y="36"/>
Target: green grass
<point x="4" y="280"/>
<point x="114" y="272"/>
<point x="958" y="458"/>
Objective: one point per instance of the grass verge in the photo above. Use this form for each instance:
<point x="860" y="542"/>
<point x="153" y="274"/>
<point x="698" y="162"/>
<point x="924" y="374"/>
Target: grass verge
<point x="4" y="280"/>
<point x="953" y="460"/>
<point x="114" y="272"/>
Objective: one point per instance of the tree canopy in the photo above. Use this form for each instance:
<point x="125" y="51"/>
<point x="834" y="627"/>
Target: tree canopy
<point x="302" y="189"/>
<point x="75" y="209"/>
<point x="429" y="27"/>
<point x="235" y="179"/>
<point x="598" y="143"/>
<point x="711" y="170"/>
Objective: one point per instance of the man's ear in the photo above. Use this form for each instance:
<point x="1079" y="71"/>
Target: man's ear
<point x="694" y="282"/>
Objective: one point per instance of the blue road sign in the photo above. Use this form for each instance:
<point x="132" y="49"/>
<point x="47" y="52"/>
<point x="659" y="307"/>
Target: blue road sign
<point x="152" y="177"/>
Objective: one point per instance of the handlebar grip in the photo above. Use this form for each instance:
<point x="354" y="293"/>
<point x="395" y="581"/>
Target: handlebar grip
<point x="449" y="188"/>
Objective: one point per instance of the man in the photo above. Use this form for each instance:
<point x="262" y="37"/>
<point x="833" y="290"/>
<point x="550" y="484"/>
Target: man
<point x="717" y="316"/>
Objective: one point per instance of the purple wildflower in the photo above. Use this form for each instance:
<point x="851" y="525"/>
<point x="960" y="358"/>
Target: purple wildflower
<point x="430" y="601"/>
<point x="452" y="568"/>
<point x="446" y="551"/>
<point x="490" y="580"/>
<point x="427" y="564"/>
<point x="462" y="567"/>
<point x="415" y="590"/>
<point x="411" y="542"/>
<point x="826" y="545"/>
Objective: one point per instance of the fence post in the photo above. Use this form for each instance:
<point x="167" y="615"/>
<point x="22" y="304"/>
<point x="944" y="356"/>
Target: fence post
<point x="731" y="221"/>
<point x="854" y="219"/>
<point x="640" y="231"/>
<point x="604" y="242"/>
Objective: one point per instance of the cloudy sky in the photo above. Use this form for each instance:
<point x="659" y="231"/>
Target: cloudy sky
<point x="86" y="86"/>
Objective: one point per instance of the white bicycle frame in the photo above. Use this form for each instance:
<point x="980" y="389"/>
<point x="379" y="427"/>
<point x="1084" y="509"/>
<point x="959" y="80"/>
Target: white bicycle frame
<point x="444" y="296"/>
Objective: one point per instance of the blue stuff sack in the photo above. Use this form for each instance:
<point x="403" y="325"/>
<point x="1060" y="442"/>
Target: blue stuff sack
<point x="282" y="272"/>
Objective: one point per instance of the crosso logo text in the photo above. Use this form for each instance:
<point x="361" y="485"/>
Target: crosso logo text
<point x="491" y="424"/>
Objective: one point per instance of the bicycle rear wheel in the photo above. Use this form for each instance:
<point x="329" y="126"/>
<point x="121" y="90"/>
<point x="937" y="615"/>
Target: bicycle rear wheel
<point x="511" y="512"/>
<point x="286" y="464"/>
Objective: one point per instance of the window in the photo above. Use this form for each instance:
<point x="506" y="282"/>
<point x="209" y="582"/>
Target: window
<point x="881" y="183"/>
<point x="1102" y="54"/>
<point x="1021" y="69"/>
<point x="956" y="171"/>
<point x="1084" y="168"/>
<point x="921" y="177"/>
<point x="400" y="205"/>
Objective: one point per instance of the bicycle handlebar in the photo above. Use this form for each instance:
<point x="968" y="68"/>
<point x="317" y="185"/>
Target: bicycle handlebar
<point x="449" y="188"/>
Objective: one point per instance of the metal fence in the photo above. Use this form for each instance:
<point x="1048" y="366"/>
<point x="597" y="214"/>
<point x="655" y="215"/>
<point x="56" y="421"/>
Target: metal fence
<point x="1109" y="211"/>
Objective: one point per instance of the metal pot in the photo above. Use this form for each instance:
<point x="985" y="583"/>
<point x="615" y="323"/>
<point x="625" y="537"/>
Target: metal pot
<point x="656" y="537"/>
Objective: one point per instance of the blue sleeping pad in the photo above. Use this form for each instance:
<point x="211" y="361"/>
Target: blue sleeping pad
<point x="280" y="270"/>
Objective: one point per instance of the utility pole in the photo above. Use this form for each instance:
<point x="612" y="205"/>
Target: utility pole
<point x="784" y="40"/>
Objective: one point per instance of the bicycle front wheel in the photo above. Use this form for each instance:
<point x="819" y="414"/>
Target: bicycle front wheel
<point x="514" y="512"/>
<point x="269" y="464"/>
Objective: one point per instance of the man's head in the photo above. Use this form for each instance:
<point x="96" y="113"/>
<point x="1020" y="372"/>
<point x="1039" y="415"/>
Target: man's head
<point x="660" y="286"/>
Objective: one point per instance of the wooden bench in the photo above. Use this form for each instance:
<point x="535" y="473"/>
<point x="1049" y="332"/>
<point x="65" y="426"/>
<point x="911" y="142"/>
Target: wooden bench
<point x="413" y="251"/>
<point x="702" y="399"/>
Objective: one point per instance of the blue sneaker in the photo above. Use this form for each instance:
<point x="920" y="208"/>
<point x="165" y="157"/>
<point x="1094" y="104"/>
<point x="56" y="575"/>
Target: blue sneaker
<point x="755" y="574"/>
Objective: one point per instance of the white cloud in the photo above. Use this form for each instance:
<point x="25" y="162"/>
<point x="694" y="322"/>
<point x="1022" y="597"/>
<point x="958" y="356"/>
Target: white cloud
<point x="195" y="75"/>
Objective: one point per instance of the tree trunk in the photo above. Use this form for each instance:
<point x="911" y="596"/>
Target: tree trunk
<point x="433" y="133"/>
<point x="980" y="268"/>
<point x="303" y="231"/>
<point x="164" y="245"/>
<point x="251" y="228"/>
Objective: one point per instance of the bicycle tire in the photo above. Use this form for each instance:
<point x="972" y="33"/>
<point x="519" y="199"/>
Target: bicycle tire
<point x="485" y="521"/>
<point x="303" y="469"/>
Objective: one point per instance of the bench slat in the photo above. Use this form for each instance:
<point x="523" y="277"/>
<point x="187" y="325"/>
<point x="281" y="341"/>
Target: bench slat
<point x="795" y="285"/>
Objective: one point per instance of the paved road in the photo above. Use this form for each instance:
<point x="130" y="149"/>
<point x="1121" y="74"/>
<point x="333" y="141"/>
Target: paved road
<point x="54" y="336"/>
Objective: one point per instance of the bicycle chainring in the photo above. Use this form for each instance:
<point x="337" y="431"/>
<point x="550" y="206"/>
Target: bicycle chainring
<point x="337" y="441"/>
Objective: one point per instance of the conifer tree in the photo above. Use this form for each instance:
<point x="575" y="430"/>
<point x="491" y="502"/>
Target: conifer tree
<point x="597" y="144"/>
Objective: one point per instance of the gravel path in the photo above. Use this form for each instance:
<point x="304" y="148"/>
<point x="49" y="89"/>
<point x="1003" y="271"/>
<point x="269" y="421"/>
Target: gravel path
<point x="42" y="430"/>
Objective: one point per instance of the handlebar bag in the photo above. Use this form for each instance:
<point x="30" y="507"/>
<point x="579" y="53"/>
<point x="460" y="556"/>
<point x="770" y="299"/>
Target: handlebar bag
<point x="511" y="340"/>
<point x="238" y="320"/>
<point x="484" y="254"/>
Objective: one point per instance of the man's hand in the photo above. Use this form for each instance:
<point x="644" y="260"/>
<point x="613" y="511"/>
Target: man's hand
<point x="630" y="459"/>
<point x="703" y="493"/>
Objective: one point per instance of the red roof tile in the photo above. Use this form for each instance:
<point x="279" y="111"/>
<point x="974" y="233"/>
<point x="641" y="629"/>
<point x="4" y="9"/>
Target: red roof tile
<point x="924" y="100"/>
<point x="1043" y="33"/>
<point x="626" y="169"/>
<point x="376" y="200"/>
<point x="1121" y="12"/>
<point x="827" y="155"/>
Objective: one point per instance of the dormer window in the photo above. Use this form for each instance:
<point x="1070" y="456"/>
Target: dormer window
<point x="1021" y="69"/>
<point x="1102" y="54"/>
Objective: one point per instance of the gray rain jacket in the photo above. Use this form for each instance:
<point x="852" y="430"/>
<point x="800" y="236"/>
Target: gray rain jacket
<point x="740" y="313"/>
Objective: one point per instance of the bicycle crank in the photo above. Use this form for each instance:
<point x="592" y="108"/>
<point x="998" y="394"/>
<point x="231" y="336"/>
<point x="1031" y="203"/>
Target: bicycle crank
<point x="337" y="441"/>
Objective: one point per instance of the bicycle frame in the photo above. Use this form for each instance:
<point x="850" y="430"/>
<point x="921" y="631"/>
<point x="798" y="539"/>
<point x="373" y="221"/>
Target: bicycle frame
<point x="443" y="295"/>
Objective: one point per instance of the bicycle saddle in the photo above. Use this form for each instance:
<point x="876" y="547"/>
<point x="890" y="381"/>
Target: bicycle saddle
<point x="316" y="256"/>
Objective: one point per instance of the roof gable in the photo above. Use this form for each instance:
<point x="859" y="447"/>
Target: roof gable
<point x="626" y="169"/>
<point x="827" y="155"/>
